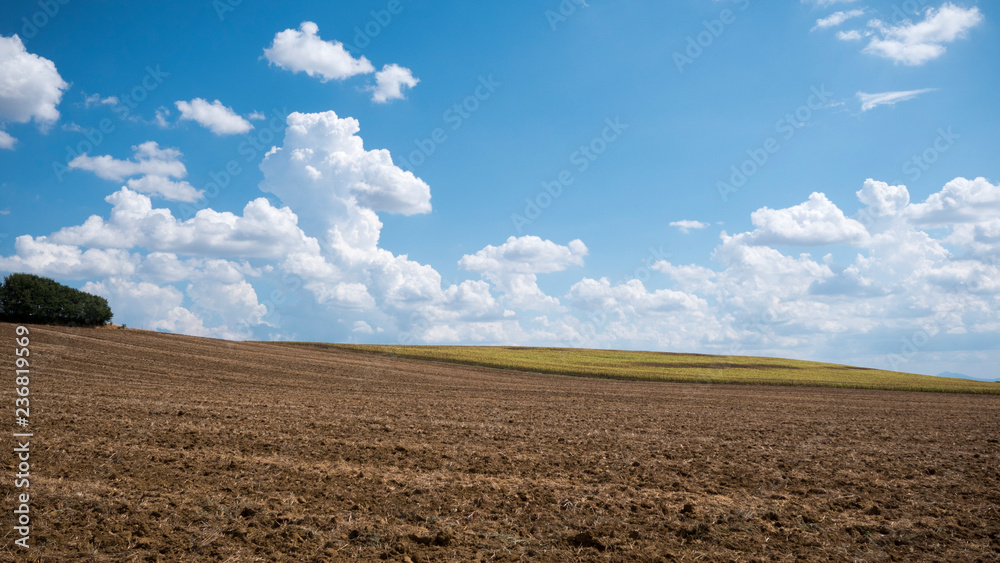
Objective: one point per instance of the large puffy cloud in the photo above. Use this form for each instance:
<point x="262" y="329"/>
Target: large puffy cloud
<point x="914" y="44"/>
<point x="905" y="281"/>
<point x="214" y="116"/>
<point x="323" y="171"/>
<point x="302" y="50"/>
<point x="30" y="86"/>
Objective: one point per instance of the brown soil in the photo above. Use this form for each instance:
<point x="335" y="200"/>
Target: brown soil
<point x="154" y="447"/>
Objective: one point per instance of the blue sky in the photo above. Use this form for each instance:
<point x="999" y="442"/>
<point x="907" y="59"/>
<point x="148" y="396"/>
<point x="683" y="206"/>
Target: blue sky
<point x="812" y="179"/>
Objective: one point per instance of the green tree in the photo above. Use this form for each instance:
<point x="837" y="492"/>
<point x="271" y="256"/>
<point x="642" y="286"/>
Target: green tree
<point x="26" y="298"/>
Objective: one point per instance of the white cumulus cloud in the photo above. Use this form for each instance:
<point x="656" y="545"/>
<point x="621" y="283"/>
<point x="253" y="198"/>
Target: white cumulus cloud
<point x="513" y="267"/>
<point x="154" y="166"/>
<point x="149" y="159"/>
<point x="914" y="44"/>
<point x="302" y="50"/>
<point x="6" y="141"/>
<point x="30" y="86"/>
<point x="214" y="116"/>
<point x="390" y="81"/>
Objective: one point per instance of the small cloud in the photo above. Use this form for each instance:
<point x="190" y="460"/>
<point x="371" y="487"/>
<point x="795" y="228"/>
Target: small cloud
<point x="687" y="225"/>
<point x="256" y="116"/>
<point x="162" y="114"/>
<point x="6" y="141"/>
<point x="5" y="211"/>
<point x="214" y="116"/>
<point x="390" y="81"/>
<point x="362" y="327"/>
<point x="149" y="159"/>
<point x="303" y="51"/>
<point x="872" y="101"/>
<point x="852" y="35"/>
<point x="914" y="44"/>
<point x="97" y="100"/>
<point x="836" y="18"/>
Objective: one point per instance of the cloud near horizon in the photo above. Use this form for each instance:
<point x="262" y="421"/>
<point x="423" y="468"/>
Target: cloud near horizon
<point x="888" y="270"/>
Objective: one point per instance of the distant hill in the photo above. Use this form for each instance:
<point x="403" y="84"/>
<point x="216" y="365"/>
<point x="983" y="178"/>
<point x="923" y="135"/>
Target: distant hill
<point x="963" y="376"/>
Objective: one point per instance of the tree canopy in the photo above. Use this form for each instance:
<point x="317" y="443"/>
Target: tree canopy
<point x="27" y="298"/>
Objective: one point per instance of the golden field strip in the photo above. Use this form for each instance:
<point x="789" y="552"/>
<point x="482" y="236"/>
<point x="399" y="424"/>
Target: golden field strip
<point x="665" y="366"/>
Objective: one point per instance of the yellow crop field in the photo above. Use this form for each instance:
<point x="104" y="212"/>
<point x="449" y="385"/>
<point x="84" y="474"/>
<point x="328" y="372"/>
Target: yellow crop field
<point x="663" y="366"/>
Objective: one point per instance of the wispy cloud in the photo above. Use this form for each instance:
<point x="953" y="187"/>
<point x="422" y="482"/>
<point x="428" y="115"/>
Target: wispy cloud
<point x="686" y="225"/>
<point x="837" y="18"/>
<point x="872" y="101"/>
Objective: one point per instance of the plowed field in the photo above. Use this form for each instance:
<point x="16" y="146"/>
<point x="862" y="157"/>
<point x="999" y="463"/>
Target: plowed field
<point x="152" y="447"/>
